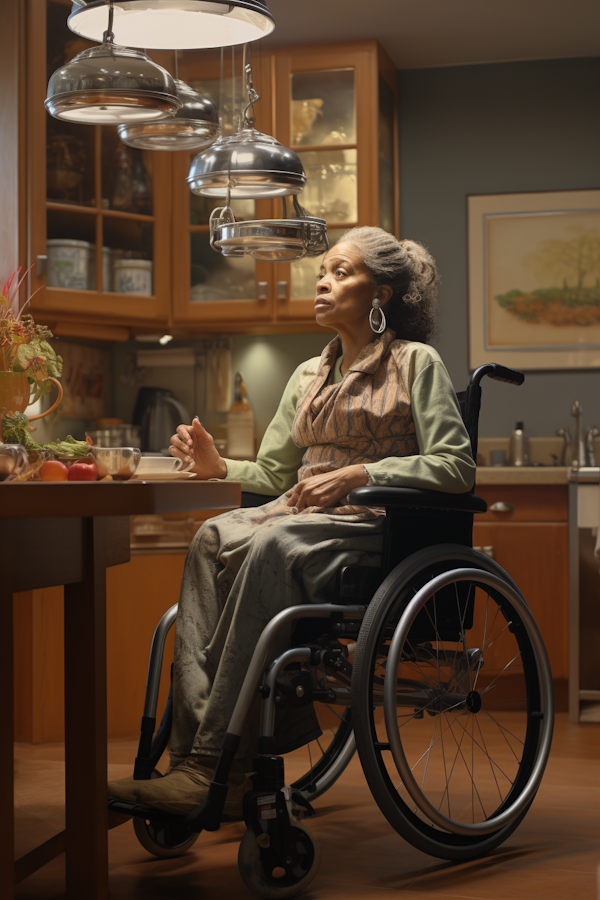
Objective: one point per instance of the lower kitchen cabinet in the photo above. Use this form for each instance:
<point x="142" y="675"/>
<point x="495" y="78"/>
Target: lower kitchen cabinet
<point x="530" y="541"/>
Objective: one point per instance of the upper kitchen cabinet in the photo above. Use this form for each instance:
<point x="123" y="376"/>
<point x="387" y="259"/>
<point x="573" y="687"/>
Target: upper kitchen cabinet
<point x="99" y="211"/>
<point x="208" y="288"/>
<point x="334" y="105"/>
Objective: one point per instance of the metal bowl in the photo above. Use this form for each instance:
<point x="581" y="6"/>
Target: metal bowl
<point x="194" y="126"/>
<point x="118" y="462"/>
<point x="273" y="240"/>
<point x="110" y="84"/>
<point x="248" y="164"/>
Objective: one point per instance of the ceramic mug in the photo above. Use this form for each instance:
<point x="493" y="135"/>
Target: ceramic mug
<point x="13" y="461"/>
<point x="158" y="465"/>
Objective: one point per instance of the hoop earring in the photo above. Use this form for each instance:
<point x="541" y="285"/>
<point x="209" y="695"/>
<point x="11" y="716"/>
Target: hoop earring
<point x="377" y="329"/>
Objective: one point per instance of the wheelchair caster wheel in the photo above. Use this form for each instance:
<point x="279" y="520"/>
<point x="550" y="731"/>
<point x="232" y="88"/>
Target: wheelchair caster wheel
<point x="263" y="874"/>
<point x="166" y="841"/>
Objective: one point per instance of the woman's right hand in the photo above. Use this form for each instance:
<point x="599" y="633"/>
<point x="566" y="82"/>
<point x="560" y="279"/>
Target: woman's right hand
<point x="193" y="444"/>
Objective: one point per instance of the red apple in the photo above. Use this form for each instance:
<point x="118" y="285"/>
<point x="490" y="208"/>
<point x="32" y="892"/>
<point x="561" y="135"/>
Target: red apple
<point x="83" y="471"/>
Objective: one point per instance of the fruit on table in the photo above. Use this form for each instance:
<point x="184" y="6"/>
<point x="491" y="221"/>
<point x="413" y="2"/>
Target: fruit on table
<point x="83" y="471"/>
<point x="53" y="470"/>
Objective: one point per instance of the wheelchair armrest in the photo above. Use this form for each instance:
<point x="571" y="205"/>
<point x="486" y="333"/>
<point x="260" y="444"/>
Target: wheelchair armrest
<point x="417" y="498"/>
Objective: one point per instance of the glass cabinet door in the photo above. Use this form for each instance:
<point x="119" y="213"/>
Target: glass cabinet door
<point x="104" y="239"/>
<point x="210" y="287"/>
<point x="326" y="111"/>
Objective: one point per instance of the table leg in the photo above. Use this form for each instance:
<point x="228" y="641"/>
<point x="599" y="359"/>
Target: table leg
<point x="7" y="844"/>
<point x="85" y="723"/>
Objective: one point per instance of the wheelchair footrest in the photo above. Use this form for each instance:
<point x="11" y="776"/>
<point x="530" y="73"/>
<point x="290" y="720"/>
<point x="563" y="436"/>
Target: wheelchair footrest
<point x="124" y="808"/>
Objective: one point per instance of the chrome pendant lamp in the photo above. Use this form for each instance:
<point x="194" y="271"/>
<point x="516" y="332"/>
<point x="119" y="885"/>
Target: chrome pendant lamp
<point x="175" y="24"/>
<point x="109" y="84"/>
<point x="272" y="240"/>
<point x="249" y="164"/>
<point x="194" y="126"/>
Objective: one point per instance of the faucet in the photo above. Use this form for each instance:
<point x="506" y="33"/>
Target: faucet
<point x="589" y="440"/>
<point x="578" y="455"/>
<point x="566" y="456"/>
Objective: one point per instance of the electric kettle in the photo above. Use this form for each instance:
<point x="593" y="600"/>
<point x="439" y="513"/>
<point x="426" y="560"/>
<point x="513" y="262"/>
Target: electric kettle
<point x="158" y="413"/>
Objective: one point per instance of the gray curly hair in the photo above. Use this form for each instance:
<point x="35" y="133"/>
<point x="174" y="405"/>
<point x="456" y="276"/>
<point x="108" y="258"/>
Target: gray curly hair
<point x="410" y="271"/>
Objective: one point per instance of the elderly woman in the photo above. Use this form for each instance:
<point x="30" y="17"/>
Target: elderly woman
<point x="377" y="407"/>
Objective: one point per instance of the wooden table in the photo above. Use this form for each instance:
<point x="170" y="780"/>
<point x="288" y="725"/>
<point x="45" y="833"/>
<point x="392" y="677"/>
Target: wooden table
<point x="68" y="534"/>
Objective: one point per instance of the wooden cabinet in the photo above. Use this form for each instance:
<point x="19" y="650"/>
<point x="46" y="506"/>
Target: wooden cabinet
<point x="530" y="541"/>
<point x="334" y="104"/>
<point x="95" y="207"/>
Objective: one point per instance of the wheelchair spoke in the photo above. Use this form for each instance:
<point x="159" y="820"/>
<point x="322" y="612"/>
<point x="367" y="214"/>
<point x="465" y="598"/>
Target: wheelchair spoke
<point x="470" y="774"/>
<point x="493" y="683"/>
<point x="503" y="729"/>
<point x="462" y="630"/>
<point x="476" y="743"/>
<point x="330" y="708"/>
<point x="489" y="760"/>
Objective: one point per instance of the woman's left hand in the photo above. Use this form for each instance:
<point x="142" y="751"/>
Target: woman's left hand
<point x="326" y="489"/>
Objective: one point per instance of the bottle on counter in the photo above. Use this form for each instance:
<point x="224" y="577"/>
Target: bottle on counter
<point x="519" y="446"/>
<point x="240" y="423"/>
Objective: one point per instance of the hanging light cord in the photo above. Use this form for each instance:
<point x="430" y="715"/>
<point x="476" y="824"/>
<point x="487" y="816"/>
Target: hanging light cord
<point x="109" y="37"/>
<point x="253" y="97"/>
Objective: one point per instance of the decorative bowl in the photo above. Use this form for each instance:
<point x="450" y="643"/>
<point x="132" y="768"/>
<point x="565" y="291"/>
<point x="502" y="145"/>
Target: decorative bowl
<point x="118" y="462"/>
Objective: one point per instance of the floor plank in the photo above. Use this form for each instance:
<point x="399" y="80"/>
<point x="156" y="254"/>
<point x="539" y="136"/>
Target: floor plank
<point x="553" y="854"/>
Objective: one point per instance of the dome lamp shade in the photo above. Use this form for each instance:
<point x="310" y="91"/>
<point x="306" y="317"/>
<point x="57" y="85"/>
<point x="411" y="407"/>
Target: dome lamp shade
<point x="194" y="126"/>
<point x="110" y="85"/>
<point x="174" y="24"/>
<point x="248" y="164"/>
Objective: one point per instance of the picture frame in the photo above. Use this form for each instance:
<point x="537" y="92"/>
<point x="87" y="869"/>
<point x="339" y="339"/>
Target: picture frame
<point x="534" y="279"/>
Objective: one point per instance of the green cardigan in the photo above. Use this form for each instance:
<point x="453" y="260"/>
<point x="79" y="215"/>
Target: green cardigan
<point x="444" y="462"/>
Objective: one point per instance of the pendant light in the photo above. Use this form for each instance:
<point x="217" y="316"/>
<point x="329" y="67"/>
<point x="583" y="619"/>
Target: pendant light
<point x="194" y="126"/>
<point x="109" y="84"/>
<point x="248" y="164"/>
<point x="272" y="240"/>
<point x="175" y="24"/>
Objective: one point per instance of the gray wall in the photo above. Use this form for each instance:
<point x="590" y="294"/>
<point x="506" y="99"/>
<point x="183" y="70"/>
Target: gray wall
<point x="492" y="129"/>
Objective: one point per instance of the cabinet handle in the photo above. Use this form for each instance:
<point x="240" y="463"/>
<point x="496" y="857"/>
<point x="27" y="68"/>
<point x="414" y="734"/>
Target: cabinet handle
<point x="41" y="265"/>
<point x="501" y="507"/>
<point x="282" y="290"/>
<point x="262" y="292"/>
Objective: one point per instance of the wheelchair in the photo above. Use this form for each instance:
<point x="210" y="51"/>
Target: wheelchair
<point x="431" y="666"/>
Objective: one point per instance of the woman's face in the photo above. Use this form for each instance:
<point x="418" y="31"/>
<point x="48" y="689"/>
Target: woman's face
<point x="345" y="291"/>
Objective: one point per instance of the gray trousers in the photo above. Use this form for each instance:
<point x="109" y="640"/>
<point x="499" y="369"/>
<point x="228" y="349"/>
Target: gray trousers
<point x="242" y="568"/>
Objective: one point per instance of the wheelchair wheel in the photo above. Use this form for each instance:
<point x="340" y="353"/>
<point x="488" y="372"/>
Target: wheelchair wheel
<point x="452" y="702"/>
<point x="265" y="877"/>
<point x="166" y="841"/>
<point x="328" y="756"/>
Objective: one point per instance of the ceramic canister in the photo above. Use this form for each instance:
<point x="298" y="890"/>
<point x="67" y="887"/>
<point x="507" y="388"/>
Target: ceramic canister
<point x="68" y="263"/>
<point x="132" y="276"/>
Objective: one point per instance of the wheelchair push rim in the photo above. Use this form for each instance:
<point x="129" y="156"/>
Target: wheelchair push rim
<point x="517" y="701"/>
<point x="472" y="700"/>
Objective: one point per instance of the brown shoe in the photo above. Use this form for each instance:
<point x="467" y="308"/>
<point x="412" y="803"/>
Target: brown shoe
<point x="123" y="789"/>
<point x="186" y="787"/>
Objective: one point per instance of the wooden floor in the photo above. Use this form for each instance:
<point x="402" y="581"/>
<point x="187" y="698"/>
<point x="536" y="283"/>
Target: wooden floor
<point x="554" y="854"/>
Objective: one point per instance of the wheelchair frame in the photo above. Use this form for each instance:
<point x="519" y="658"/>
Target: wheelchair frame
<point x="278" y="838"/>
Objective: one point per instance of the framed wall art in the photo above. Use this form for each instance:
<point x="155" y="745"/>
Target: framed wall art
<point x="534" y="279"/>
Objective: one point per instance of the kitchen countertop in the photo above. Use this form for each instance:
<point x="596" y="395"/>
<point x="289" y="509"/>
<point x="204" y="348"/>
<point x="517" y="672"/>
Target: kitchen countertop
<point x="522" y="475"/>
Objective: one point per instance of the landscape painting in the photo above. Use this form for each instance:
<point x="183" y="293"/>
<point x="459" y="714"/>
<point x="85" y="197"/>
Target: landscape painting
<point x="534" y="292"/>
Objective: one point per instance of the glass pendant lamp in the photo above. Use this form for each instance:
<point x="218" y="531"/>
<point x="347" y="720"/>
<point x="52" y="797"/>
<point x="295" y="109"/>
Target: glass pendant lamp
<point x="194" y="126"/>
<point x="110" y="84"/>
<point x="175" y="24"/>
